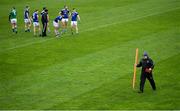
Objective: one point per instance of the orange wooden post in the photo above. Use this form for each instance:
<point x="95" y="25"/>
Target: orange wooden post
<point x="136" y="61"/>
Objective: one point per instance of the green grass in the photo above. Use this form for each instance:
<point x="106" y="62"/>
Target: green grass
<point x="92" y="70"/>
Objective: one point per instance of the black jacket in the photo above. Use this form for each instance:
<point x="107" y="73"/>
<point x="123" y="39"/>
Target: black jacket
<point x="44" y="17"/>
<point x="146" y="63"/>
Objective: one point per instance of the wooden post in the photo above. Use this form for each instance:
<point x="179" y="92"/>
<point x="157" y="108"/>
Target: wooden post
<point x="136" y="62"/>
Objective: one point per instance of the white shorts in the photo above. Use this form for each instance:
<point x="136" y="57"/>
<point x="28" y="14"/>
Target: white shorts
<point x="73" y="23"/>
<point x="26" y="21"/>
<point x="65" y="20"/>
<point x="35" y="24"/>
<point x="55" y="24"/>
<point x="13" y="21"/>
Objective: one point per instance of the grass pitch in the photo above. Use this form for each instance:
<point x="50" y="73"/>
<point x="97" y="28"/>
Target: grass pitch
<point x="94" y="69"/>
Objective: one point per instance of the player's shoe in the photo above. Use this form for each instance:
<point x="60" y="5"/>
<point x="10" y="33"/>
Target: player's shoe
<point x="58" y="35"/>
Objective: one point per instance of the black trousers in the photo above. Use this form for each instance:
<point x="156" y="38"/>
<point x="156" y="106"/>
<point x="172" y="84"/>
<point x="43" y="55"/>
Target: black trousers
<point x="44" y="29"/>
<point x="149" y="76"/>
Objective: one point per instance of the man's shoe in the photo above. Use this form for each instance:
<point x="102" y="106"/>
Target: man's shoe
<point x="140" y="91"/>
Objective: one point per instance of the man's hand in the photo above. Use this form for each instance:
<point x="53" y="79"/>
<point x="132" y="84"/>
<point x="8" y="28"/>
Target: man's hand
<point x="148" y="70"/>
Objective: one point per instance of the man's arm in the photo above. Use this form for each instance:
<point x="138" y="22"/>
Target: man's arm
<point x="79" y="18"/>
<point x="140" y="64"/>
<point x="152" y="64"/>
<point x="47" y="17"/>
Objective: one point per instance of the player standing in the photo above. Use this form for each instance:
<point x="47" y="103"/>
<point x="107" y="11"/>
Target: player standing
<point x="44" y="19"/>
<point x="27" y="20"/>
<point x="13" y="19"/>
<point x="42" y="12"/>
<point x="57" y="25"/>
<point x="65" y="14"/>
<point x="74" y="17"/>
<point x="36" y="24"/>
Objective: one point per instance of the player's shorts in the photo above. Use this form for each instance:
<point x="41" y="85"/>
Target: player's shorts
<point x="26" y="21"/>
<point x="55" y="24"/>
<point x="73" y="23"/>
<point x="13" y="21"/>
<point x="35" y="24"/>
<point x="65" y="20"/>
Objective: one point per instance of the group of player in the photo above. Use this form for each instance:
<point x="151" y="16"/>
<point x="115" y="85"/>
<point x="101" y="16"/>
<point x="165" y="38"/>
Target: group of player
<point x="60" y="21"/>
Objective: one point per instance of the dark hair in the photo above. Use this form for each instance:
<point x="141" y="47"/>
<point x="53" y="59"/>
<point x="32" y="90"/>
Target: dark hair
<point x="14" y="8"/>
<point x="65" y="6"/>
<point x="27" y="6"/>
<point x="44" y="8"/>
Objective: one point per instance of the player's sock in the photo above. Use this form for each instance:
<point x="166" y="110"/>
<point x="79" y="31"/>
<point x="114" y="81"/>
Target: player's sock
<point x="55" y="32"/>
<point x="15" y="30"/>
<point x="49" y="31"/>
<point x="64" y="30"/>
<point x="72" y="31"/>
<point x="77" y="31"/>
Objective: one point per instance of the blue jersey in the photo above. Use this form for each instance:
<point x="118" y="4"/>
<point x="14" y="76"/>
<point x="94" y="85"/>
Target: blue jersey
<point x="35" y="17"/>
<point x="26" y="14"/>
<point x="74" y="16"/>
<point x="58" y="18"/>
<point x="65" y="13"/>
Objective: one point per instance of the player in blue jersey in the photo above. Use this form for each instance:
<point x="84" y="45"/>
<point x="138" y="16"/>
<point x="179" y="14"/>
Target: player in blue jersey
<point x="56" y="24"/>
<point x="27" y="20"/>
<point x="65" y="14"/>
<point x="35" y="19"/>
<point x="74" y="17"/>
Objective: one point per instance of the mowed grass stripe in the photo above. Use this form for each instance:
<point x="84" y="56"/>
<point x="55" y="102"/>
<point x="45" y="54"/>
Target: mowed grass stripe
<point x="144" y="8"/>
<point x="54" y="9"/>
<point x="54" y="81"/>
<point x="118" y="95"/>
<point x="89" y="29"/>
<point x="64" y="81"/>
<point x="124" y="15"/>
<point x="61" y="52"/>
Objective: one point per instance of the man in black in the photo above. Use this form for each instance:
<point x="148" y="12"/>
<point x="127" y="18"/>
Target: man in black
<point x="147" y="66"/>
<point x="44" y="19"/>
